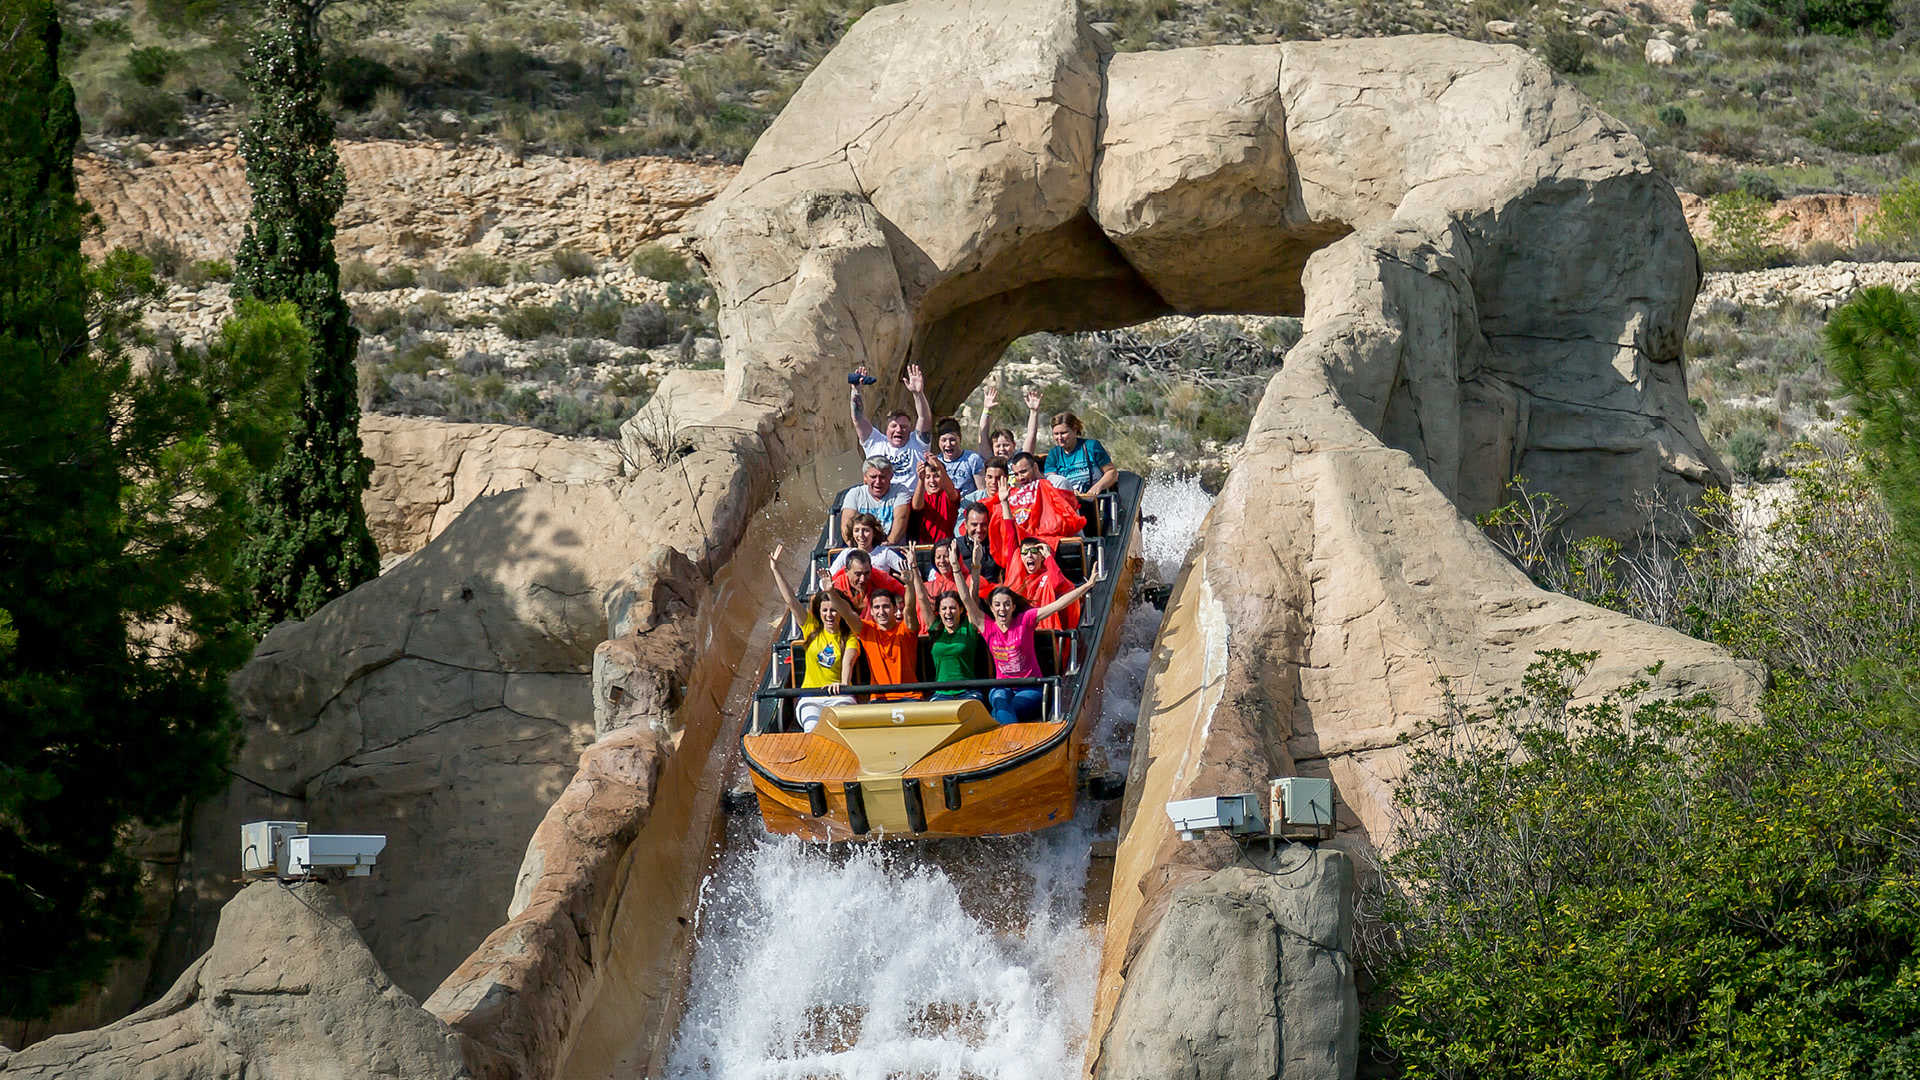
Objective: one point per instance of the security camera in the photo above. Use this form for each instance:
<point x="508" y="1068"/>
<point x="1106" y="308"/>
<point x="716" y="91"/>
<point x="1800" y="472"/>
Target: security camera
<point x="1237" y="814"/>
<point x="1297" y="808"/>
<point x="285" y="849"/>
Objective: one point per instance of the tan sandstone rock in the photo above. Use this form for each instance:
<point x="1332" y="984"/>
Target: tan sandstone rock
<point x="425" y="472"/>
<point x="1799" y="221"/>
<point x="444" y="704"/>
<point x="409" y="200"/>
<point x="287" y="992"/>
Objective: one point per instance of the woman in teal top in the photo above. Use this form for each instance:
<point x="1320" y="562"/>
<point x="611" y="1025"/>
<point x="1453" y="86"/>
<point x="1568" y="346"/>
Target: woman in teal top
<point x="1076" y="463"/>
<point x="957" y="647"/>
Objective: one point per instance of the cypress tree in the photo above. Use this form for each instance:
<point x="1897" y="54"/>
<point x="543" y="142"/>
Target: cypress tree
<point x="123" y="495"/>
<point x="58" y="502"/>
<point x="310" y="541"/>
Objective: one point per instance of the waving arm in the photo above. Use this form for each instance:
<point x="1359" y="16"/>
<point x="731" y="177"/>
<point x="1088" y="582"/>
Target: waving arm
<point x="1071" y="595"/>
<point x="787" y="597"/>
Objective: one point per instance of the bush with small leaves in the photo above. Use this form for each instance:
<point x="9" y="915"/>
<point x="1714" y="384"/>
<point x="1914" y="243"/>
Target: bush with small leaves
<point x="526" y="322"/>
<point x="1759" y="185"/>
<point x="1673" y="116"/>
<point x="1895" y="224"/>
<point x="1747" y="453"/>
<point x="1566" y="50"/>
<point x="661" y="263"/>
<point x="1850" y="131"/>
<point x="568" y="263"/>
<point x="1743" y="236"/>
<point x="647" y="326"/>
<point x="148" y="65"/>
<point x="143" y="110"/>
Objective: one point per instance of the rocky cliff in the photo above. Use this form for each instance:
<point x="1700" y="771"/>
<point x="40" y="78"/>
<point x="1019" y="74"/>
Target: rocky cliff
<point x="406" y="199"/>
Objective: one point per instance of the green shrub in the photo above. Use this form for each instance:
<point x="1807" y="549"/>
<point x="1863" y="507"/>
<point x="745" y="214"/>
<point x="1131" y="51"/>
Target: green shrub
<point x="1849" y="131"/>
<point x="596" y="314"/>
<point x="569" y="263"/>
<point x="661" y="263"/>
<point x="1743" y="236"/>
<point x="1566" y="50"/>
<point x="1896" y="223"/>
<point x="1747" y="451"/>
<point x="1759" y="185"/>
<point x="1873" y="346"/>
<point x="1839" y="17"/>
<point x="1673" y="116"/>
<point x="1627" y="887"/>
<point x="149" y="64"/>
<point x="470" y="269"/>
<point x="356" y="79"/>
<point x="526" y="322"/>
<point x="143" y="110"/>
<point x="202" y="271"/>
<point x="420" y="357"/>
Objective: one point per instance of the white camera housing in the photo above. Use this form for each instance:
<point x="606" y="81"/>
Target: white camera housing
<point x="263" y="846"/>
<point x="285" y="849"/>
<point x="1237" y="814"/>
<point x="354" y="855"/>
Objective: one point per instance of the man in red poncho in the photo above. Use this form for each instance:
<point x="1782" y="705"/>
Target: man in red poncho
<point x="1035" y="576"/>
<point x="859" y="580"/>
<point x="1030" y="507"/>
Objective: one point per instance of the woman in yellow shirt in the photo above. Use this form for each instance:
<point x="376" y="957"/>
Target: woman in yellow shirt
<point x="829" y="646"/>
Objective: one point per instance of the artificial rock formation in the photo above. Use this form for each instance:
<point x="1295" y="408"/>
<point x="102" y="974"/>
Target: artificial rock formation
<point x="425" y="472"/>
<point x="1281" y="935"/>
<point x="444" y="704"/>
<point x="1492" y="280"/>
<point x="286" y="991"/>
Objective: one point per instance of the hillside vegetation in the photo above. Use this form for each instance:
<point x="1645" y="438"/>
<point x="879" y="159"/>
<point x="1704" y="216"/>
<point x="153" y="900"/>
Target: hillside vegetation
<point x="1770" y="95"/>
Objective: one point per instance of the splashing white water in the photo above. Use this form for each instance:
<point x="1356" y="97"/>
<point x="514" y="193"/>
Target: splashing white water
<point x="1177" y="506"/>
<point x="948" y="960"/>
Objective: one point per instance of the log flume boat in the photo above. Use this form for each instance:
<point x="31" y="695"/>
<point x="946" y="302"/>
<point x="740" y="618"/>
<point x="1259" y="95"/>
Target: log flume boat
<point x="945" y="768"/>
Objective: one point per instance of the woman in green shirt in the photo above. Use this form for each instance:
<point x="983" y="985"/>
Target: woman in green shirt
<point x="957" y="647"/>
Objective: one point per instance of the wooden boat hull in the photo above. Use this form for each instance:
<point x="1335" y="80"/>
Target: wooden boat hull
<point x="1036" y="792"/>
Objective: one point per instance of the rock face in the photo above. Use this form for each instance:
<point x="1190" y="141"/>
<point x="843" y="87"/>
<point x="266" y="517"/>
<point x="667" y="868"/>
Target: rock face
<point x="444" y="704"/>
<point x="1282" y="936"/>
<point x="406" y="200"/>
<point x="1799" y="221"/>
<point x="287" y="990"/>
<point x="425" y="472"/>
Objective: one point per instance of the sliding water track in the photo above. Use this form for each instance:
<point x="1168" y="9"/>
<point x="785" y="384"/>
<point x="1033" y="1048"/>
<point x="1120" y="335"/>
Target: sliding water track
<point x="950" y="958"/>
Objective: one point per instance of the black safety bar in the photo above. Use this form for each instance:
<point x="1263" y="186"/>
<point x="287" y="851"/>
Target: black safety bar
<point x="916" y="687"/>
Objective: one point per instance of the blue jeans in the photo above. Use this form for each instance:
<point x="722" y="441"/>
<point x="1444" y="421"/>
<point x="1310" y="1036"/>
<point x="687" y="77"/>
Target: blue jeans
<point x="1014" y="704"/>
<point x="954" y="695"/>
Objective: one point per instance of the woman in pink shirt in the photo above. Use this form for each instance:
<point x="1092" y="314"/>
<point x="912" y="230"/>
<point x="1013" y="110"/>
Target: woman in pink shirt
<point x="1009" y="637"/>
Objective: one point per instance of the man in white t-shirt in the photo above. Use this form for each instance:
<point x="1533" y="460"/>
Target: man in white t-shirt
<point x="877" y="496"/>
<point x="904" y="440"/>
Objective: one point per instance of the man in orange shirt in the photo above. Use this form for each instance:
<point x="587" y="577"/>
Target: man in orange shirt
<point x="888" y="639"/>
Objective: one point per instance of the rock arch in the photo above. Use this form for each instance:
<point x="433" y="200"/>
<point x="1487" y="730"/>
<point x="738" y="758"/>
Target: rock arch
<point x="955" y="176"/>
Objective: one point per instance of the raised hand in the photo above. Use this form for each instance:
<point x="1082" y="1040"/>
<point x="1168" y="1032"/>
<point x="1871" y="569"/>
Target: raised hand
<point x="915" y="380"/>
<point x="1032" y="398"/>
<point x="991" y="397"/>
<point x="778" y="550"/>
